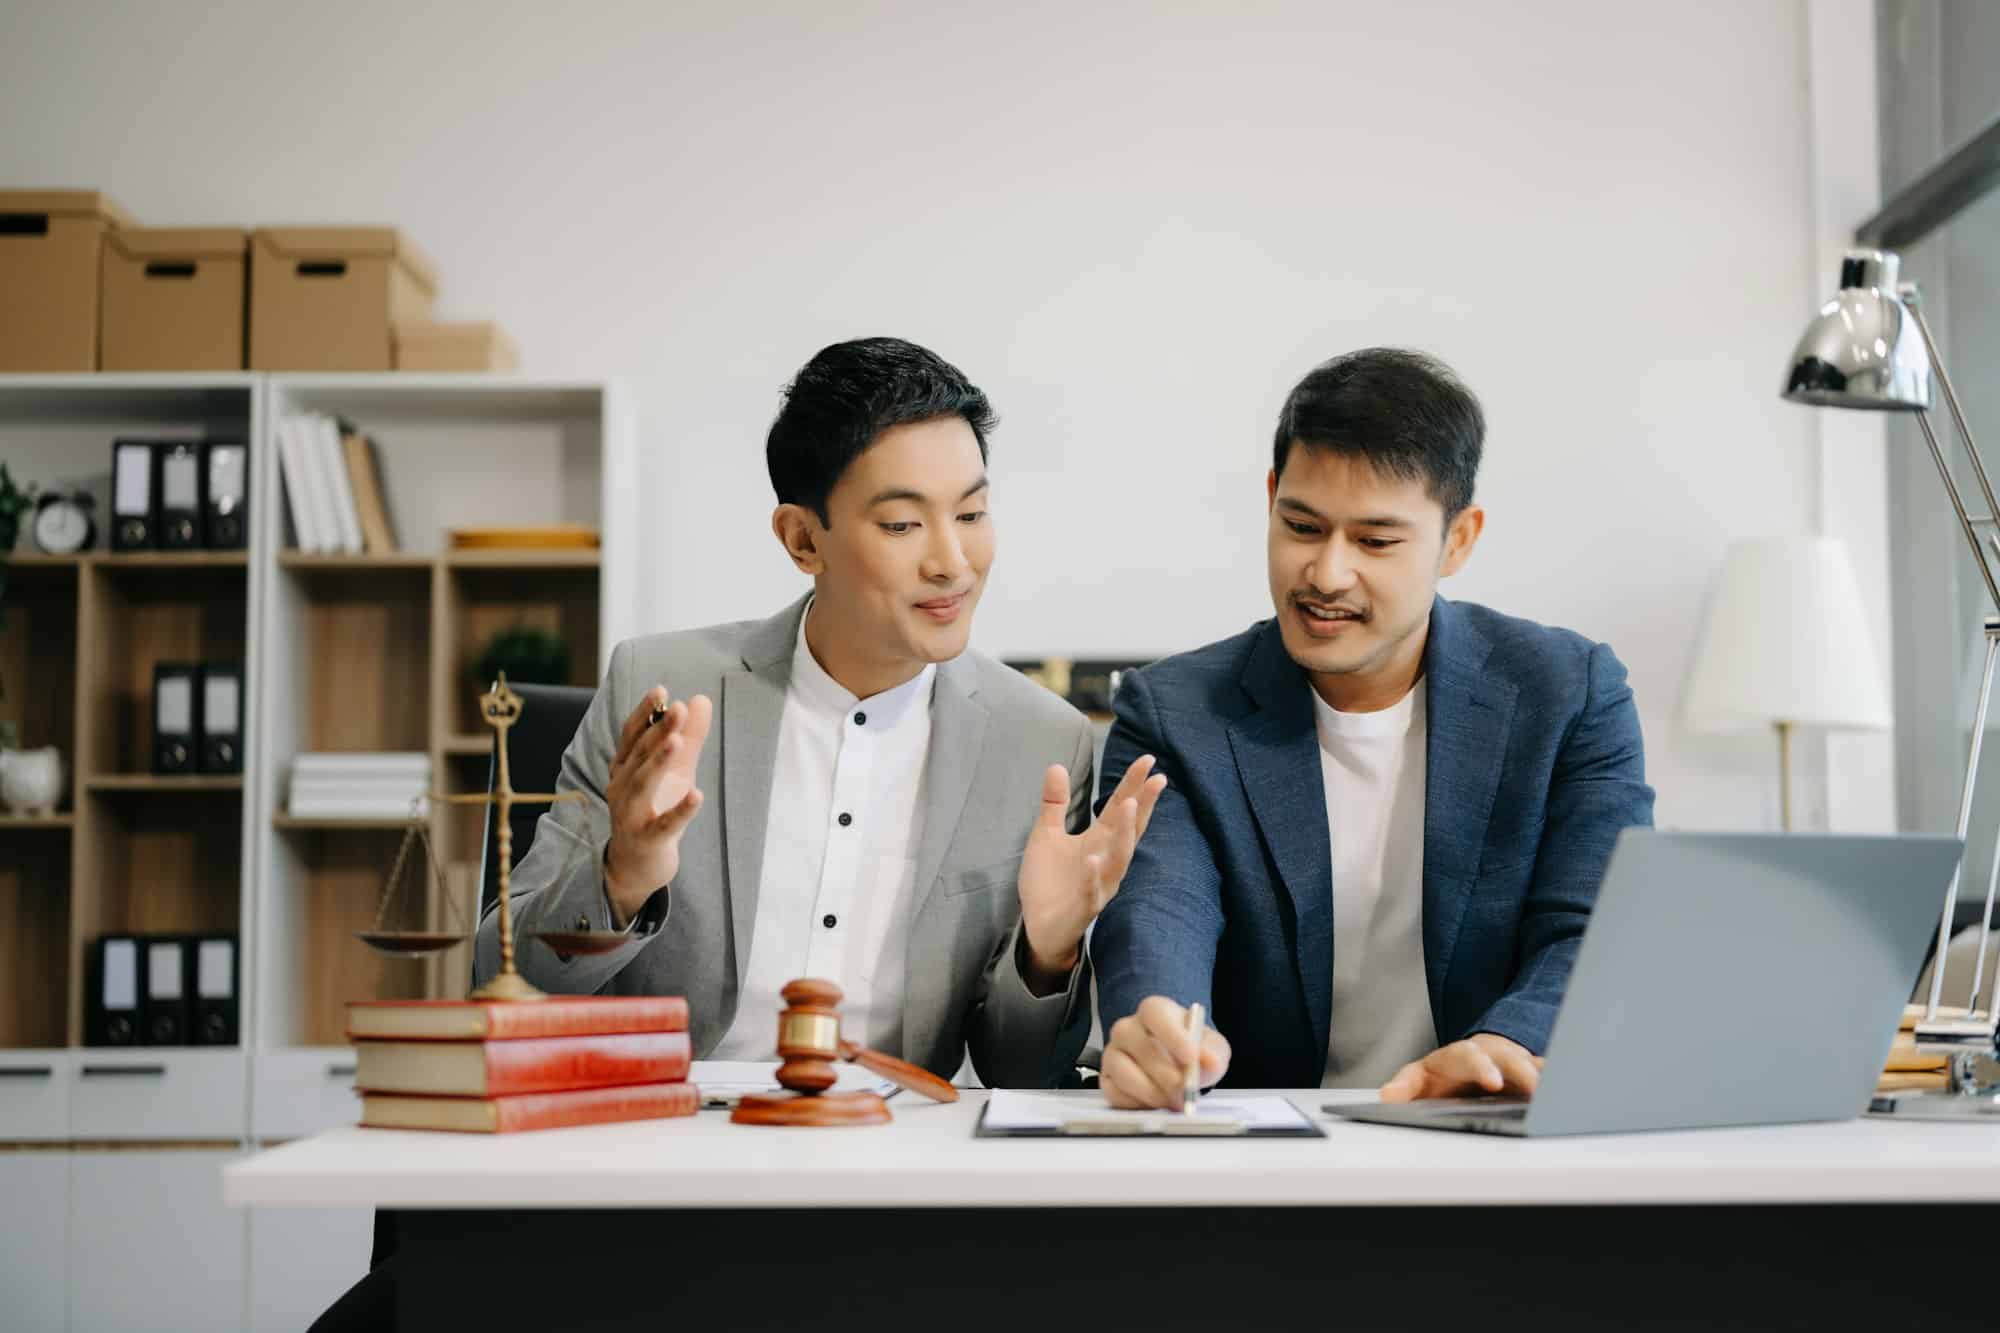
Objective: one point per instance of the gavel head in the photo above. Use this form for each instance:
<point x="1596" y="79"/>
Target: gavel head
<point x="809" y="1036"/>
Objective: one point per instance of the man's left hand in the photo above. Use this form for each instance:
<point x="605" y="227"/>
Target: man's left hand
<point x="1066" y="879"/>
<point x="1482" y="1065"/>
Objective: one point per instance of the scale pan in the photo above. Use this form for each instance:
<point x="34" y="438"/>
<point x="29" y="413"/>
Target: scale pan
<point x="410" y="941"/>
<point x="584" y="941"/>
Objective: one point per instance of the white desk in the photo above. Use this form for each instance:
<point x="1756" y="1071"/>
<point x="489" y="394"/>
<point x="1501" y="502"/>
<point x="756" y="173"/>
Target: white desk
<point x="1372" y="1227"/>
<point x="930" y="1159"/>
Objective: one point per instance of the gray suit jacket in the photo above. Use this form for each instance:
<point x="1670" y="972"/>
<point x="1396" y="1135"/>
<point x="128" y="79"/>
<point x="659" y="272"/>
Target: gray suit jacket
<point x="992" y="733"/>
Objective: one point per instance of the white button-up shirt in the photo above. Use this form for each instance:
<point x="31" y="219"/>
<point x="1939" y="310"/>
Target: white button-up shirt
<point x="840" y="848"/>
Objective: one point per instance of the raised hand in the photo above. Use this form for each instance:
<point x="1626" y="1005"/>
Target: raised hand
<point x="1066" y="879"/>
<point x="652" y="796"/>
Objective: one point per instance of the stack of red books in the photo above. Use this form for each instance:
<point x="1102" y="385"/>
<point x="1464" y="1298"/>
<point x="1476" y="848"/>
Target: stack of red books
<point x="490" y="1068"/>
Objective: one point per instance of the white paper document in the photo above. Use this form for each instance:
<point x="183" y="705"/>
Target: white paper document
<point x="723" y="1081"/>
<point x="1007" y="1110"/>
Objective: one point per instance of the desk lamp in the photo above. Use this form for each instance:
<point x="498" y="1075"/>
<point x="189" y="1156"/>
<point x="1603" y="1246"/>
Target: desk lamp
<point x="1869" y="348"/>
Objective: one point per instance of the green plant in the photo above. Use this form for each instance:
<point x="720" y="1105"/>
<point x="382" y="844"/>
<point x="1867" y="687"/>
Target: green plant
<point x="524" y="653"/>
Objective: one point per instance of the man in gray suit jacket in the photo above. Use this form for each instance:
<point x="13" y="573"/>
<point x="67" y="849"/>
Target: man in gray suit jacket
<point x="896" y="812"/>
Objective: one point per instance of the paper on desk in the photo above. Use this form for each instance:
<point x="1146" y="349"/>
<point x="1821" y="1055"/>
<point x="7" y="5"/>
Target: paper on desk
<point x="1026" y="1110"/>
<point x="723" y="1081"/>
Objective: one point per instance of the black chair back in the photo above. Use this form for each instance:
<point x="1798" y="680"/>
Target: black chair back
<point x="550" y="715"/>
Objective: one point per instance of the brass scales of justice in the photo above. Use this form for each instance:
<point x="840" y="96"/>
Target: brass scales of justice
<point x="500" y="709"/>
<point x="809" y="1037"/>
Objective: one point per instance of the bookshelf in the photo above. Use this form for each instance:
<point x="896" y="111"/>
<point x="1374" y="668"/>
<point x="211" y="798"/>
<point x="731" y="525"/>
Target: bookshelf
<point x="126" y="850"/>
<point x="370" y="653"/>
<point x="340" y="652"/>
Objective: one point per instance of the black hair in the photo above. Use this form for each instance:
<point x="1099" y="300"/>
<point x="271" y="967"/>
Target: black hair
<point x="846" y="396"/>
<point x="1407" y="414"/>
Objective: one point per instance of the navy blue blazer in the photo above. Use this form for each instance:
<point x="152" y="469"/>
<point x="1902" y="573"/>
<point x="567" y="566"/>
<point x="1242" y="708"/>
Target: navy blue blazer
<point x="1534" y="762"/>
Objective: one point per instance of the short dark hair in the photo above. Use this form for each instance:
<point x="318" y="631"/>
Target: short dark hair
<point x="846" y="396"/>
<point x="1407" y="414"/>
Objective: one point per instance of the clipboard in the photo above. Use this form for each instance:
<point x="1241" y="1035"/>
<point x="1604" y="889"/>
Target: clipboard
<point x="1032" y="1116"/>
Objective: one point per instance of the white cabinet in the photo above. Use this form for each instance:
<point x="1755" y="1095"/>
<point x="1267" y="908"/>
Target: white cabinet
<point x="302" y="1090"/>
<point x="151" y="1245"/>
<point x="158" y="1093"/>
<point x="301" y="1260"/>
<point x="34" y="1096"/>
<point x="34" y="1238"/>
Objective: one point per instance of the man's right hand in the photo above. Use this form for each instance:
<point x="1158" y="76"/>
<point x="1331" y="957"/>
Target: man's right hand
<point x="1146" y="1060"/>
<point x="652" y="797"/>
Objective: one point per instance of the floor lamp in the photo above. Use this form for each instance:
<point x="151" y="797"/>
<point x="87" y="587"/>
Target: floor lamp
<point x="1870" y="348"/>
<point x="1785" y="645"/>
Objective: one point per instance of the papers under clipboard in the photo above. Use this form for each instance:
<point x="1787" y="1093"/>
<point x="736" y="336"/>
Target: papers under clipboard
<point x="1011" y="1115"/>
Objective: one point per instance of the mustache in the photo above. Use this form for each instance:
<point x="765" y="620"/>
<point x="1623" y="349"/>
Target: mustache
<point x="1322" y="604"/>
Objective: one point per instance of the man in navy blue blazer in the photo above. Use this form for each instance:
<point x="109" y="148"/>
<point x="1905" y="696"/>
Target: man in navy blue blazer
<point x="1387" y="813"/>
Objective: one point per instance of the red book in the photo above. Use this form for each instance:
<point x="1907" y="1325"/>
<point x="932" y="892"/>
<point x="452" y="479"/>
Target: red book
<point x="477" y="1020"/>
<point x="536" y="1064"/>
<point x="532" y="1110"/>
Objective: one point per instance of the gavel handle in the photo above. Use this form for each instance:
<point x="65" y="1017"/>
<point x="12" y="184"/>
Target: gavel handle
<point x="899" y="1072"/>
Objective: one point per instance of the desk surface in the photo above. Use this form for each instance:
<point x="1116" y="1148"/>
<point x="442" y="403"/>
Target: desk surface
<point x="929" y="1158"/>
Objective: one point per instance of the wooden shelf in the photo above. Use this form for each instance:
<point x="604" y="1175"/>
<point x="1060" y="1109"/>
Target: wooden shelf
<point x="319" y="822"/>
<point x="62" y="819"/>
<point x="546" y="557"/>
<point x="171" y="559"/>
<point x="307" y="560"/>
<point x="30" y="559"/>
<point x="159" y="782"/>
<point x="468" y="746"/>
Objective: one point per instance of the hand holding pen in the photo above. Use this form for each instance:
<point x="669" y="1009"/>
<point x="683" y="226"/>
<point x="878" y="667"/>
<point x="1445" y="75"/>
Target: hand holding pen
<point x="1148" y="1055"/>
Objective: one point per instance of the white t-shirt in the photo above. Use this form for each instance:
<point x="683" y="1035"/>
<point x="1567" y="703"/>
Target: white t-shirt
<point x="1374" y="769"/>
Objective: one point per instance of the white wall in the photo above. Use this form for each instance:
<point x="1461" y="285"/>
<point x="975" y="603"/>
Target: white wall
<point x="1134" y="225"/>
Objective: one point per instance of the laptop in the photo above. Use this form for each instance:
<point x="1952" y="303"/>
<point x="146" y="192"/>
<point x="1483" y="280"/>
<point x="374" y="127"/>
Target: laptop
<point x="1725" y="979"/>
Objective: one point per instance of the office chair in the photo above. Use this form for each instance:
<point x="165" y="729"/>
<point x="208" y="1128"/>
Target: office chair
<point x="550" y="715"/>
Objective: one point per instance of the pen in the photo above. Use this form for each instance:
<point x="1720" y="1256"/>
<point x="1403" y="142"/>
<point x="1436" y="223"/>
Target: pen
<point x="1191" y="1088"/>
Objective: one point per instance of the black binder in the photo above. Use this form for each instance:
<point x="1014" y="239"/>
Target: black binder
<point x="117" y="977"/>
<point x="133" y="496"/>
<point x="178" y="477"/>
<point x="215" y="985"/>
<point x="164" y="1008"/>
<point x="176" y="716"/>
<point x="221" y="720"/>
<point x="225" y="496"/>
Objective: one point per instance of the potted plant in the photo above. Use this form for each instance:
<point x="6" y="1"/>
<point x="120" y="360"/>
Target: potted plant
<point x="526" y="655"/>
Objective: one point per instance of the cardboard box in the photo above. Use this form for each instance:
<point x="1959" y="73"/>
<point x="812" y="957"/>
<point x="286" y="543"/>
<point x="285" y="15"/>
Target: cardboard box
<point x="324" y="298"/>
<point x="423" y="345"/>
<point x="173" y="298"/>
<point x="48" y="272"/>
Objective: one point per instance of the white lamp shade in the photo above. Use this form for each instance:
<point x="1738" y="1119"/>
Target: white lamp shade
<point x="1786" y="641"/>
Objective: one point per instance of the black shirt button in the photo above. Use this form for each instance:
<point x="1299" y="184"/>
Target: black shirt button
<point x="845" y="819"/>
<point x="861" y="719"/>
<point x="829" y="921"/>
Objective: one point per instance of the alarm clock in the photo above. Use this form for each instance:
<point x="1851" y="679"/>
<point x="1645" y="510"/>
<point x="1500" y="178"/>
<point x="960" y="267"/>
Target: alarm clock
<point x="63" y="522"/>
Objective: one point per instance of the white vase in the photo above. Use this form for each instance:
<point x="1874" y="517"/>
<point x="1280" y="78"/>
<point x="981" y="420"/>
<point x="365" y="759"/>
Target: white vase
<point x="31" y="781"/>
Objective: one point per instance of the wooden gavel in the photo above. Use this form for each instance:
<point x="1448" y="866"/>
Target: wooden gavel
<point x="809" y="1041"/>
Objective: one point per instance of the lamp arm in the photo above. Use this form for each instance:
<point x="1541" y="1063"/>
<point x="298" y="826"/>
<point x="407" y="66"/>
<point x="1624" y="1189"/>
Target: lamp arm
<point x="1914" y="305"/>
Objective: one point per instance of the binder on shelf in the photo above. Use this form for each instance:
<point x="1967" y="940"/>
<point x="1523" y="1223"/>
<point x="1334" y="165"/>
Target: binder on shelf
<point x="221" y="715"/>
<point x="176" y="716"/>
<point x="225" y="496"/>
<point x="133" y="514"/>
<point x="216" y="1012"/>
<point x="117" y="972"/>
<point x="334" y="456"/>
<point x="364" y="474"/>
<point x="178" y="527"/>
<point x="164" y="1010"/>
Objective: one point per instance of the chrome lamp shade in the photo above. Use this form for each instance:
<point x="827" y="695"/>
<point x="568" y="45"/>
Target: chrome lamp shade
<point x="1863" y="349"/>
